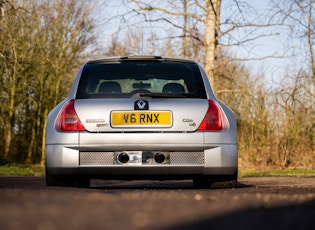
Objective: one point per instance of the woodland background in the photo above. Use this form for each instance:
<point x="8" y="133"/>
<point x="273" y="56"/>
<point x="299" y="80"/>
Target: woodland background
<point x="43" y="43"/>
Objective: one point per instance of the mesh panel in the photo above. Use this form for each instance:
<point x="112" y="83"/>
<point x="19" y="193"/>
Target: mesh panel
<point x="186" y="158"/>
<point x="96" y="158"/>
<point x="175" y="158"/>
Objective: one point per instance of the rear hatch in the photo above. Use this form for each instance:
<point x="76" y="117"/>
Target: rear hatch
<point x="141" y="94"/>
<point x="141" y="115"/>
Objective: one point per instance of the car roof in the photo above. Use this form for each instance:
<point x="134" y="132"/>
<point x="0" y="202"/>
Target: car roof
<point x="141" y="58"/>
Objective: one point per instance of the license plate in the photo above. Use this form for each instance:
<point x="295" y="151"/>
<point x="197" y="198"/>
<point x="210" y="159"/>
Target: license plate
<point x="141" y="119"/>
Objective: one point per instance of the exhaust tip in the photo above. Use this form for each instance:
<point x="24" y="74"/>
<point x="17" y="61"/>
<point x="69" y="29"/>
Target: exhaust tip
<point x="123" y="158"/>
<point x="159" y="158"/>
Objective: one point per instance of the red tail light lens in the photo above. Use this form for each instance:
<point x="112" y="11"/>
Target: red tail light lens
<point x="68" y="118"/>
<point x="213" y="120"/>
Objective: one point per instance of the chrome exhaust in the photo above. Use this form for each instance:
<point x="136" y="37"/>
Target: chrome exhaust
<point x="159" y="158"/>
<point x="123" y="158"/>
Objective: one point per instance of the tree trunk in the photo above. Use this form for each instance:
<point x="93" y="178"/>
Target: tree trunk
<point x="31" y="146"/>
<point x="11" y="105"/>
<point x="211" y="33"/>
<point x="8" y="139"/>
<point x="184" y="41"/>
<point x="309" y="38"/>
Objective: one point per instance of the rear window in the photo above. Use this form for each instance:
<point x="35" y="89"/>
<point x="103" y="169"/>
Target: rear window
<point x="141" y="78"/>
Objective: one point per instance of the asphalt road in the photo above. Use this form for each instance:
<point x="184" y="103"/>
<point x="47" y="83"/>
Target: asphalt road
<point x="257" y="203"/>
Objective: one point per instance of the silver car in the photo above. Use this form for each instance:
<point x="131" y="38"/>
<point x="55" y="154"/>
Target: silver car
<point x="141" y="117"/>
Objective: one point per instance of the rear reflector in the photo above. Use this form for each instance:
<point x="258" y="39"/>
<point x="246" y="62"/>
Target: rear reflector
<point x="68" y="118"/>
<point x="213" y="120"/>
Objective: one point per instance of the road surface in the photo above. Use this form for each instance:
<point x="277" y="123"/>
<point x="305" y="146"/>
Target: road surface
<point x="257" y="203"/>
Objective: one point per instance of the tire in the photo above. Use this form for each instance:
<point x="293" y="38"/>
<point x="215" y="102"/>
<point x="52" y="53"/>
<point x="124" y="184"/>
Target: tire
<point x="59" y="181"/>
<point x="83" y="182"/>
<point x="215" y="181"/>
<point x="67" y="181"/>
<point x="201" y="182"/>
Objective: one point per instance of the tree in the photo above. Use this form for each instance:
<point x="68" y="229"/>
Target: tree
<point x="296" y="97"/>
<point x="12" y="38"/>
<point x="209" y="18"/>
<point x="299" y="15"/>
<point x="42" y="44"/>
<point x="202" y="21"/>
<point x="64" y="38"/>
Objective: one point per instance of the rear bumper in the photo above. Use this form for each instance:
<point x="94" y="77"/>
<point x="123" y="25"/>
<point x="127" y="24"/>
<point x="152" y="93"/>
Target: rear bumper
<point x="216" y="160"/>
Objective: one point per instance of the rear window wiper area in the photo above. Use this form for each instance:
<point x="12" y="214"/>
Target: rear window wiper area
<point x="157" y="95"/>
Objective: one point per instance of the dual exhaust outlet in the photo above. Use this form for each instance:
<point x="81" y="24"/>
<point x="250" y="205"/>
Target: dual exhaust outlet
<point x="124" y="158"/>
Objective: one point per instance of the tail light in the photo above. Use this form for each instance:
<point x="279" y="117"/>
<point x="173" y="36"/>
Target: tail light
<point x="214" y="119"/>
<point x="68" y="118"/>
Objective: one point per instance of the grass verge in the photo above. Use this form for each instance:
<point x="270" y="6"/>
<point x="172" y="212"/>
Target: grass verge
<point x="13" y="169"/>
<point x="292" y="172"/>
<point x="22" y="170"/>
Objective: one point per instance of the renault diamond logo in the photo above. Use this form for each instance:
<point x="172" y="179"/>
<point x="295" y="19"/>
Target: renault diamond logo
<point x="141" y="105"/>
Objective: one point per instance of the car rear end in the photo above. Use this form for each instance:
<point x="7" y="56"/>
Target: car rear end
<point x="141" y="118"/>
